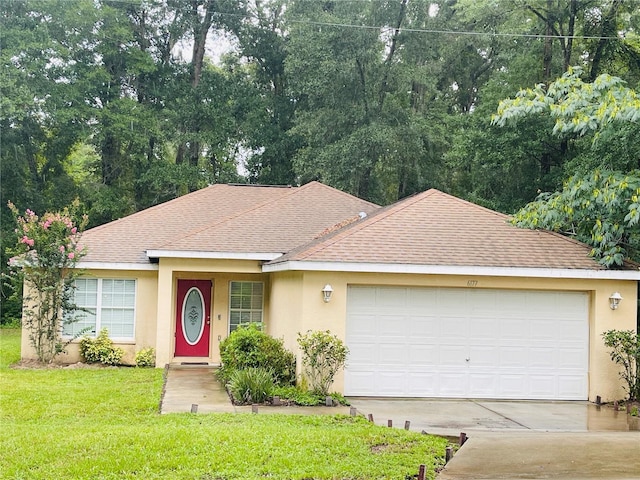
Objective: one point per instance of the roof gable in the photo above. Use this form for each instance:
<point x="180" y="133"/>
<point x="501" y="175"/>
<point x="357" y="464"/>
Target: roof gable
<point x="434" y="228"/>
<point x="225" y="218"/>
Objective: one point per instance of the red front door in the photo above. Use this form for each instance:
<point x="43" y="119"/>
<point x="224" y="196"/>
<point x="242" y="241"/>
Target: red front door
<point x="193" y="318"/>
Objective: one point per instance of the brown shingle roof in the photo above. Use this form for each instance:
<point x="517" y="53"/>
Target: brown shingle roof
<point x="433" y="228"/>
<point x="225" y="218"/>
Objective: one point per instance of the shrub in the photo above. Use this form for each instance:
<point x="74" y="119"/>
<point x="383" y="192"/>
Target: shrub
<point x="323" y="355"/>
<point x="146" y="357"/>
<point x="301" y="396"/>
<point x="625" y="351"/>
<point x="249" y="347"/>
<point x="100" y="349"/>
<point x="251" y="385"/>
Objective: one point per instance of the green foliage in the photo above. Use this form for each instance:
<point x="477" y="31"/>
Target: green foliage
<point x="601" y="210"/>
<point x="625" y="351"/>
<point x="146" y="357"/>
<point x="249" y="347"/>
<point x="44" y="260"/>
<point x="578" y="107"/>
<point x="100" y="349"/>
<point x="251" y="385"/>
<point x="323" y="355"/>
<point x="300" y="395"/>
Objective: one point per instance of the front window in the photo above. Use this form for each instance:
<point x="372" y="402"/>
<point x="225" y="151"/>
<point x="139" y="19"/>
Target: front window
<point x="104" y="303"/>
<point x="245" y="303"/>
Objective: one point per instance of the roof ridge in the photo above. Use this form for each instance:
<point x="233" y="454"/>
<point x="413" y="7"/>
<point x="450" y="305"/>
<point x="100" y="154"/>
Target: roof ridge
<point x="153" y="207"/>
<point x="221" y="221"/>
<point x="351" y="228"/>
<point x="337" y="190"/>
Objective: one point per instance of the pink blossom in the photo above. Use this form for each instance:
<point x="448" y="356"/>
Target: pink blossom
<point x="27" y="241"/>
<point x="71" y="255"/>
<point x="74" y="230"/>
<point x="61" y="248"/>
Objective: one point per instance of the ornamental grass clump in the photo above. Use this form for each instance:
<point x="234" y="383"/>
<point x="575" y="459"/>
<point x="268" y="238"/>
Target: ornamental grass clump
<point x="44" y="261"/>
<point x="251" y="385"/>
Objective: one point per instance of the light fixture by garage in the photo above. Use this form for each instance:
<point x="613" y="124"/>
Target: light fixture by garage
<point x="614" y="300"/>
<point x="326" y="293"/>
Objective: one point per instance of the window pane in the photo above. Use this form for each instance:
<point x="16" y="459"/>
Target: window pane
<point x="245" y="303"/>
<point x="113" y="310"/>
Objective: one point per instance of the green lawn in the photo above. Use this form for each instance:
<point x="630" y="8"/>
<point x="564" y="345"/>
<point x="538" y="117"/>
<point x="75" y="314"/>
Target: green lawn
<point x="104" y="424"/>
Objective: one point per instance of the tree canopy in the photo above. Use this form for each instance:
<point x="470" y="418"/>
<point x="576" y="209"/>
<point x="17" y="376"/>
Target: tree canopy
<point x="128" y="103"/>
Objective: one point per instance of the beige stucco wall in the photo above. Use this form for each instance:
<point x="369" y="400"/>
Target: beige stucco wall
<point x="145" y="317"/>
<point x="298" y="308"/>
<point x="220" y="272"/>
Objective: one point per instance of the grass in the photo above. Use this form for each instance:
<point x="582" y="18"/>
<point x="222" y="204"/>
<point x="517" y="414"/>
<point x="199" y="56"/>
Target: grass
<point x="104" y="424"/>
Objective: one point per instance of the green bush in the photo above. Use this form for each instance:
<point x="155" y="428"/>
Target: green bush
<point x="323" y="355"/>
<point x="249" y="347"/>
<point x="301" y="396"/>
<point x="625" y="351"/>
<point x="146" y="357"/>
<point x="100" y="349"/>
<point x="251" y="385"/>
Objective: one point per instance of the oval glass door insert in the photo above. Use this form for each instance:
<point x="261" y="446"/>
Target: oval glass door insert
<point x="193" y="316"/>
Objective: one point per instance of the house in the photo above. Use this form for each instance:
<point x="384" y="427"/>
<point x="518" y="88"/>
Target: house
<point x="434" y="296"/>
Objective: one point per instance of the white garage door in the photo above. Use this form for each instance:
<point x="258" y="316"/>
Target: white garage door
<point x="467" y="343"/>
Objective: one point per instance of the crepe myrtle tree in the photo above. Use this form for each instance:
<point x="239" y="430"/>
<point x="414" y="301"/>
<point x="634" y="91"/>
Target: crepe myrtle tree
<point x="44" y="259"/>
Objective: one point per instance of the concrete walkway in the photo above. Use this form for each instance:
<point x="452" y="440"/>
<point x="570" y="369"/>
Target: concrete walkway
<point x="547" y="455"/>
<point x="187" y="386"/>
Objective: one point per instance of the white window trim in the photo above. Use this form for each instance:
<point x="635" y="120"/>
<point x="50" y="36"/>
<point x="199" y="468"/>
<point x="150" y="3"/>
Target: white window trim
<point x="99" y="308"/>
<point x="243" y="309"/>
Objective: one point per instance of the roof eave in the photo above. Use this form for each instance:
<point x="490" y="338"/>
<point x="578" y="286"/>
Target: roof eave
<point x="481" y="271"/>
<point x="116" y="266"/>
<point x="260" y="256"/>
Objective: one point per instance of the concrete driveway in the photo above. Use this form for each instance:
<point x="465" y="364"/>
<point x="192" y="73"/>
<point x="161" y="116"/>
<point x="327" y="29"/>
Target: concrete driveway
<point x="513" y="440"/>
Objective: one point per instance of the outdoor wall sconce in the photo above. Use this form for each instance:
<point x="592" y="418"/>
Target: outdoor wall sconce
<point x="326" y="293"/>
<point x="614" y="300"/>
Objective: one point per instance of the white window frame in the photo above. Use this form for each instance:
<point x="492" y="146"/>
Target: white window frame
<point x="250" y="310"/>
<point x="99" y="307"/>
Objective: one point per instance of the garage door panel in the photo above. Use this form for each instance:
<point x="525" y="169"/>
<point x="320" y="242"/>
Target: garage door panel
<point x="453" y="326"/>
<point x="568" y="385"/>
<point x="543" y="386"/>
<point x="422" y="299"/>
<point x="453" y="355"/>
<point x="422" y="384"/>
<point x="482" y="385"/>
<point x="391" y="325"/>
<point x="391" y="297"/>
<point x="453" y="384"/>
<point x="424" y="326"/>
<point x="511" y="329"/>
<point x="360" y="325"/>
<point x="423" y="355"/>
<point x="362" y="383"/>
<point x="543" y="358"/>
<point x="513" y="357"/>
<point x="512" y="385"/>
<point x="362" y="354"/>
<point x="391" y="383"/>
<point x="480" y="356"/>
<point x="393" y="354"/>
<point x="571" y="358"/>
<point x="408" y="341"/>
